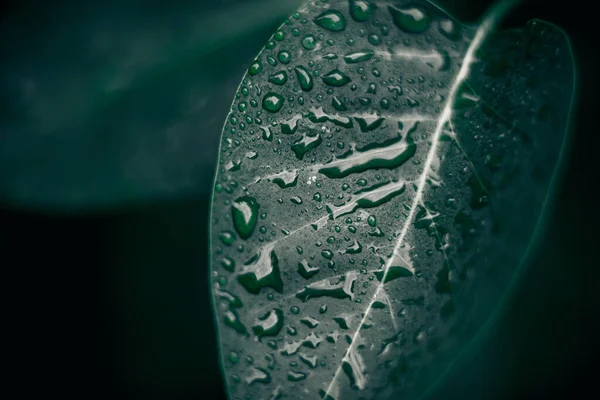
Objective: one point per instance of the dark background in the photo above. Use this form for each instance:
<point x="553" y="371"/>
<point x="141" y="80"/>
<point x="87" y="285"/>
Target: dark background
<point x="112" y="301"/>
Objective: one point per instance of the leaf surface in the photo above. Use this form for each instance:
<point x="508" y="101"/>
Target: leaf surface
<point x="392" y="184"/>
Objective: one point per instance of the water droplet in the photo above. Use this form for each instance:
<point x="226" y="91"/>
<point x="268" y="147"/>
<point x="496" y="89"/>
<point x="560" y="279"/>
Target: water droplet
<point x="284" y="56"/>
<point x="303" y="145"/>
<point x="372" y="220"/>
<point x="296" y="376"/>
<point x="317" y="115"/>
<point x="266" y="133"/>
<point x="377" y="232"/>
<point x="337" y="104"/>
<point x="261" y="270"/>
<point x="244" y="211"/>
<point x="411" y="19"/>
<point x="342" y="289"/>
<point x="286" y="179"/>
<point x="228" y="264"/>
<point x="328" y="254"/>
<point x="255" y="67"/>
<point x="234" y="357"/>
<point x="229" y="297"/>
<point x="232" y="320"/>
<point x="311" y="341"/>
<point x="290" y="126"/>
<point x="355" y="248"/>
<point x="394" y="272"/>
<point x="309" y="42"/>
<point x="310" y="322"/>
<point x="369" y="123"/>
<point x="306" y="270"/>
<point x="359" y="56"/>
<point x="311" y="361"/>
<point x="258" y="375"/>
<point x="304" y="78"/>
<point x="227" y="237"/>
<point x="378" y="305"/>
<point x="342" y="322"/>
<point x="332" y="20"/>
<point x="393" y="156"/>
<point x="279" y="78"/>
<point x="449" y="29"/>
<point x="374" y="39"/>
<point x="369" y="199"/>
<point x="279" y="35"/>
<point x="361" y="10"/>
<point x="272" y="102"/>
<point x="296" y="200"/>
<point x="269" y="324"/>
<point x="336" y="78"/>
<point x="353" y="365"/>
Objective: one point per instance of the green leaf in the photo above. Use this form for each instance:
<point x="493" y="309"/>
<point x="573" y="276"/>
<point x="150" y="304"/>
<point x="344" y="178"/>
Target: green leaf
<point x="395" y="197"/>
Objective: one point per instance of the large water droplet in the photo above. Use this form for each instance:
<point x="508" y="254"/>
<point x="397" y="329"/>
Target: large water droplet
<point x="244" y="211"/>
<point x="311" y="341"/>
<point x="394" y="272"/>
<point x="284" y="56"/>
<point x="337" y="104"/>
<point x="227" y="237"/>
<point x="306" y="143"/>
<point x="233" y="321"/>
<point x="272" y="102"/>
<point x="355" y="248"/>
<point x="369" y="123"/>
<point x="361" y="10"/>
<point x="369" y="199"/>
<point x="278" y="78"/>
<point x="295" y="376"/>
<point x="289" y="126"/>
<point x="258" y="375"/>
<point x="309" y="42"/>
<point x="342" y="289"/>
<point x="286" y="179"/>
<point x="255" y="67"/>
<point x="332" y="20"/>
<point x="336" y="78"/>
<point x="358" y="56"/>
<point x="229" y="297"/>
<point x="304" y="78"/>
<point x="269" y="324"/>
<point x="387" y="156"/>
<point x="411" y="19"/>
<point x="317" y="115"/>
<point x="311" y="361"/>
<point x="261" y="270"/>
<point x="306" y="270"/>
<point x="310" y="322"/>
